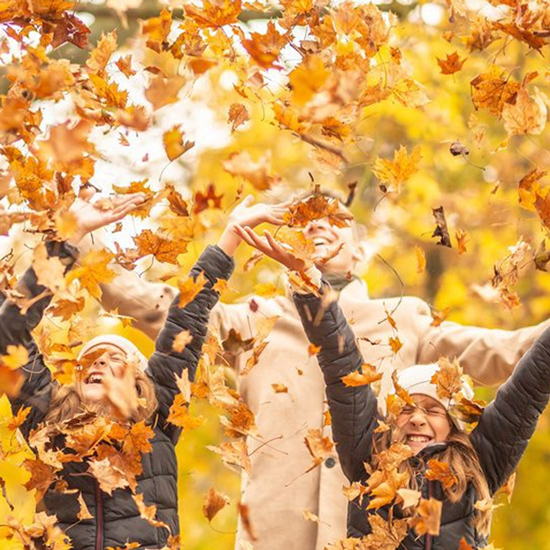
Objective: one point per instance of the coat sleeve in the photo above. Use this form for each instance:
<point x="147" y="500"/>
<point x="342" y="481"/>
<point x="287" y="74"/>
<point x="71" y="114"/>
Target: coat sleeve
<point x="165" y="363"/>
<point x="145" y="301"/>
<point x="487" y="355"/>
<point x="509" y="421"/>
<point x="16" y="329"/>
<point x="353" y="409"/>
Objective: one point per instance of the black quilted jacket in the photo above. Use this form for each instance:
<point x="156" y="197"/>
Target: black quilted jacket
<point x="116" y="520"/>
<point x="499" y="439"/>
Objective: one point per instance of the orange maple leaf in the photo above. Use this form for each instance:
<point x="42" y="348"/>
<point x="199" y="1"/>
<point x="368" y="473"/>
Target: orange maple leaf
<point x="164" y="250"/>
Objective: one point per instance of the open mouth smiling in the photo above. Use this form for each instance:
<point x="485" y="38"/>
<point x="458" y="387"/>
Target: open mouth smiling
<point x="419" y="438"/>
<point x="94" y="378"/>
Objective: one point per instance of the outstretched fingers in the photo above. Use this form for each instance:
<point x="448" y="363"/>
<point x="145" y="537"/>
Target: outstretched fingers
<point x="125" y="207"/>
<point x="252" y="239"/>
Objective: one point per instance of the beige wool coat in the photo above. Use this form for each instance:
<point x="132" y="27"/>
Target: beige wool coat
<point x="279" y="490"/>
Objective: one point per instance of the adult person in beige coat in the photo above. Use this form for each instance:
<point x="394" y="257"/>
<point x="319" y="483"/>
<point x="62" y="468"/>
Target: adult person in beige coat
<point x="278" y="490"/>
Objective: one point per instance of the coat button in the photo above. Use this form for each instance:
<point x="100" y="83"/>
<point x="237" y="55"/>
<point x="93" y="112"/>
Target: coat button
<point x="330" y="462"/>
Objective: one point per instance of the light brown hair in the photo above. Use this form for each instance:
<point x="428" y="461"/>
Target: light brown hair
<point x="67" y="401"/>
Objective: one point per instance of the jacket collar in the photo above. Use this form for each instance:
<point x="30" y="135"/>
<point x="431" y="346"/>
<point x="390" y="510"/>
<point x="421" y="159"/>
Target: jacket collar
<point x="431" y="450"/>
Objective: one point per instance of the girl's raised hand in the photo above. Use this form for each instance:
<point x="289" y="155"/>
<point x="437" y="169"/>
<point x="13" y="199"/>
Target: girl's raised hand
<point x="270" y="247"/>
<point x="93" y="216"/>
<point x="248" y="214"/>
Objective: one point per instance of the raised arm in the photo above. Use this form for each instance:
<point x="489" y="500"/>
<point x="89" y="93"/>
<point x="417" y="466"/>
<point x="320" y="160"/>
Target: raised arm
<point x="16" y="330"/>
<point x="166" y="363"/>
<point x="216" y="263"/>
<point x="148" y="302"/>
<point x="487" y="355"/>
<point x="16" y="327"/>
<point x="510" y="419"/>
<point x="353" y="410"/>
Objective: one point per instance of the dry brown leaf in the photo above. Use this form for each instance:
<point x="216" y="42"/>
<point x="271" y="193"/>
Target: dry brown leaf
<point x="244" y="514"/>
<point x="319" y="447"/>
<point x="441" y="471"/>
<point x="256" y="172"/>
<point x="238" y="115"/>
<point x="213" y="503"/>
<point x="83" y="513"/>
<point x="451" y="64"/>
<point x="448" y="379"/>
<point x="148" y="513"/>
<point x="234" y="453"/>
<point x="428" y="517"/>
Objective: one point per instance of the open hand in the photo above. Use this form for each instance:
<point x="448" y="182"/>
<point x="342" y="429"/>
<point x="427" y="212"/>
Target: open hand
<point x="248" y="214"/>
<point x="93" y="216"/>
<point x="270" y="247"/>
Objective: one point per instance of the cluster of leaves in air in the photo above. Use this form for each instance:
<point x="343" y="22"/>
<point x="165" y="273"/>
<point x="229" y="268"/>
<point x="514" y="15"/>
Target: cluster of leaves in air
<point x="322" y="101"/>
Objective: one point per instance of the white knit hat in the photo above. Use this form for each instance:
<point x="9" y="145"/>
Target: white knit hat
<point x="418" y="379"/>
<point x="123" y="344"/>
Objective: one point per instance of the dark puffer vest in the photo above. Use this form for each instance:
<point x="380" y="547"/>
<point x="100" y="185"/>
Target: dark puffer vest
<point x="116" y="519"/>
<point x="499" y="439"/>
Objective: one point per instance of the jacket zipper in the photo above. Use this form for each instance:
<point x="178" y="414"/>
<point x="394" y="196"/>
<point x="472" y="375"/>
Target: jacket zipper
<point x="428" y="545"/>
<point x="99" y="517"/>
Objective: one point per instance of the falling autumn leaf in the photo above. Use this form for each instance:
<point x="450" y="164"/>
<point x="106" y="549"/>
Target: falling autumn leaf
<point x="181" y="340"/>
<point x="256" y="172"/>
<point x="420" y="259"/>
<point x="164" y="250"/>
<point x="209" y="199"/>
<point x="393" y="173"/>
<point x="526" y="116"/>
<point x="462" y="239"/>
<point x="441" y="471"/>
<point x="441" y="230"/>
<point x="149" y="513"/>
<point x="17" y="356"/>
<point x="367" y="375"/>
<point x="238" y="115"/>
<point x="428" y="517"/>
<point x="189" y="288"/>
<point x="213" y="503"/>
<point x="451" y="64"/>
<point x="174" y="145"/>
<point x="492" y="90"/>
<point x="448" y="378"/>
<point x="319" y="447"/>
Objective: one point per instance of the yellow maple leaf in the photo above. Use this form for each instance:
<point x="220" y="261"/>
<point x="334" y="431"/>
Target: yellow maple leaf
<point x="189" y="288"/>
<point x="93" y="271"/>
<point x="17" y="356"/>
<point x="393" y="173"/>
<point x="368" y="375"/>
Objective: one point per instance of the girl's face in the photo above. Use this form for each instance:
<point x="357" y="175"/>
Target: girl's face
<point x="425" y="423"/>
<point x="102" y="362"/>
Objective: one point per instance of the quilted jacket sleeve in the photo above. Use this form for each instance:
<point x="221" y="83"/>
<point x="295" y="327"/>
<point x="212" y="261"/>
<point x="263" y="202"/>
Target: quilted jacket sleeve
<point x="353" y="409"/>
<point x="16" y="329"/>
<point x="509" y="421"/>
<point x="165" y="363"/>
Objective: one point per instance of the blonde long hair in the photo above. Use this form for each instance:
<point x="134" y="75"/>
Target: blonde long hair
<point x="463" y="461"/>
<point x="67" y="401"/>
